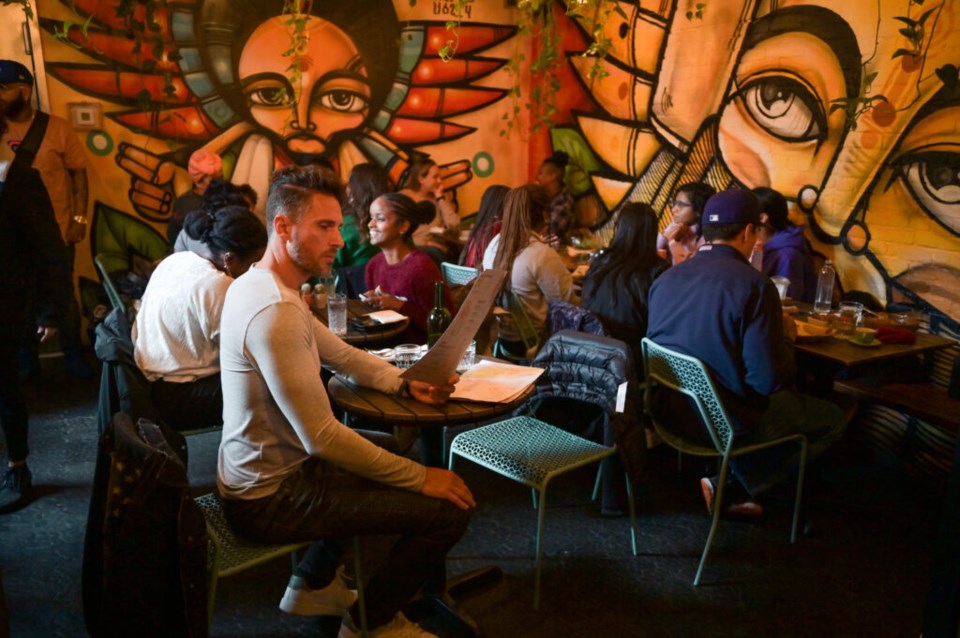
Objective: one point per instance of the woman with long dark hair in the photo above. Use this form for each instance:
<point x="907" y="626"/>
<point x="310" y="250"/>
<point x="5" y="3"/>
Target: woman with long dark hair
<point x="176" y="336"/>
<point x="402" y="277"/>
<point x="487" y="226"/>
<point x="366" y="183"/>
<point x="617" y="284"/>
<point x="537" y="275"/>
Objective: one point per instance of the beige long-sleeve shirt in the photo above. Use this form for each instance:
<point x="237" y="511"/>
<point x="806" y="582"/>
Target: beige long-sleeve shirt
<point x="276" y="413"/>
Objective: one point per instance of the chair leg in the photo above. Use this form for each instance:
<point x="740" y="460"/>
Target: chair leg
<point x="536" y="574"/>
<point x="358" y="576"/>
<point x="533" y="495"/>
<point x="212" y="585"/>
<point x="801" y="470"/>
<point x="633" y="514"/>
<point x="596" y="482"/>
<point x="714" y="522"/>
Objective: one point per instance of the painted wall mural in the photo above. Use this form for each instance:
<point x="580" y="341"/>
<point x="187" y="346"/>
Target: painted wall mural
<point x="367" y="85"/>
<point x="850" y="109"/>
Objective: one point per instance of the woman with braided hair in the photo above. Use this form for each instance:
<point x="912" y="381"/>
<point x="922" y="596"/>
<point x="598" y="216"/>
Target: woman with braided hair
<point x="176" y="335"/>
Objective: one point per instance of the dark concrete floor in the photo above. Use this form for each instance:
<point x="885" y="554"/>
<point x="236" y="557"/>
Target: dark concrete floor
<point x="863" y="571"/>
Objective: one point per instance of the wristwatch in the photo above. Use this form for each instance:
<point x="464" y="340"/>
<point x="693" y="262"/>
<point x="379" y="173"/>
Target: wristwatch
<point x="80" y="219"/>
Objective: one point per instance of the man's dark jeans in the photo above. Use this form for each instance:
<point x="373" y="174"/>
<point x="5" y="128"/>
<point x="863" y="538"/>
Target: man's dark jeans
<point x="323" y="501"/>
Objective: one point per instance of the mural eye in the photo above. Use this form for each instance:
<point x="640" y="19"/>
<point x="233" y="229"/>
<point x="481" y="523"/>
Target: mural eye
<point x="934" y="180"/>
<point x="269" y="96"/>
<point x="343" y="101"/>
<point x="785" y="108"/>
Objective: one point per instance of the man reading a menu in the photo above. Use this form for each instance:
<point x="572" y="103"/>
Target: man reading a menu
<point x="287" y="469"/>
<point x="718" y="308"/>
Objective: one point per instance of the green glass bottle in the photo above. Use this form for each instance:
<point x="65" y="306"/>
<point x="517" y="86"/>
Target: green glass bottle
<point x="439" y="318"/>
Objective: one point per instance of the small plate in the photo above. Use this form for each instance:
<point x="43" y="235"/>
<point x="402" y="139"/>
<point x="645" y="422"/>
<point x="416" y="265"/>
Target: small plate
<point x="873" y="344"/>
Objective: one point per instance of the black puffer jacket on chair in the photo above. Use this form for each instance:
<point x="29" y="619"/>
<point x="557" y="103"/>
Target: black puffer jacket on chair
<point x="578" y="393"/>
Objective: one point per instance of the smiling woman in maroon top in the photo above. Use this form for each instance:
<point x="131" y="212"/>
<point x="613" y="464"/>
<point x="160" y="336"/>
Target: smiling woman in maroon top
<point x="401" y="277"/>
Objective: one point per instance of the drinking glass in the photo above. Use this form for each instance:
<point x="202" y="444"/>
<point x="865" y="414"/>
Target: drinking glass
<point x="337" y="314"/>
<point x="782" y="284"/>
<point x="851" y="312"/>
<point x="405" y="355"/>
<point x="469" y="357"/>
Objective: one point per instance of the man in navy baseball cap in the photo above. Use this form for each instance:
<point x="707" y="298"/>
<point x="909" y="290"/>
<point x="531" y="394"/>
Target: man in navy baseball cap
<point x="12" y="72"/>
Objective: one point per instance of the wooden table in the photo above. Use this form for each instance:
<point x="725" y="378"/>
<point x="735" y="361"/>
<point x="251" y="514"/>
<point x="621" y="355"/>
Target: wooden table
<point x="357" y="308"/>
<point x="389" y="409"/>
<point x="841" y="352"/>
<point x="822" y="359"/>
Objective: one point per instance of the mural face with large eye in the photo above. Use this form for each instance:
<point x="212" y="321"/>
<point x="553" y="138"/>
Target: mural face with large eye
<point x="913" y="214"/>
<point x="332" y="95"/>
<point x="776" y="128"/>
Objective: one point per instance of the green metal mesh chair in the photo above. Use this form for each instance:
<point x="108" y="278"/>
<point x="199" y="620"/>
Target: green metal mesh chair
<point x="106" y="264"/>
<point x="533" y="452"/>
<point x="682" y="373"/>
<point x="230" y="554"/>
<point x="456" y="275"/>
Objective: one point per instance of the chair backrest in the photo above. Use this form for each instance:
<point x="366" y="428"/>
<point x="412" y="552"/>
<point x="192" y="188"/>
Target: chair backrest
<point x="106" y="264"/>
<point x="455" y="275"/>
<point x="123" y="387"/>
<point x="521" y="320"/>
<point x="351" y="280"/>
<point x="563" y="315"/>
<point x="686" y="374"/>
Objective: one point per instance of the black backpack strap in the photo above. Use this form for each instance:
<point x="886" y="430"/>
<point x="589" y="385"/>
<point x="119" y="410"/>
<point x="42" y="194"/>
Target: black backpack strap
<point x="28" y="148"/>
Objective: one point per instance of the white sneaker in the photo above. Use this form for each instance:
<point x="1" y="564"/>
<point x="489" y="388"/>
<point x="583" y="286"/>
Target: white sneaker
<point x="399" y="627"/>
<point x="333" y="600"/>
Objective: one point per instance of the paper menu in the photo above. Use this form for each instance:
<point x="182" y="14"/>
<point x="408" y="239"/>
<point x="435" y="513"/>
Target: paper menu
<point x="495" y="382"/>
<point x="441" y="361"/>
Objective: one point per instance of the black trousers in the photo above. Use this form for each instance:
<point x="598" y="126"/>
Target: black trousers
<point x="189" y="406"/>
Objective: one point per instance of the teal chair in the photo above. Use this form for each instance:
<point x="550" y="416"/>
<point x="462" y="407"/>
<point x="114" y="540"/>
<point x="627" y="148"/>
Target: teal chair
<point x="515" y="312"/>
<point x="533" y="452"/>
<point x="682" y="373"/>
<point x="455" y="275"/>
<point x="230" y="554"/>
<point x="106" y="264"/>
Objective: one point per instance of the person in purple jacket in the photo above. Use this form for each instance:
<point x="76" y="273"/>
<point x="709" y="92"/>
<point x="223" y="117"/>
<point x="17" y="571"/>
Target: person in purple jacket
<point x="786" y="252"/>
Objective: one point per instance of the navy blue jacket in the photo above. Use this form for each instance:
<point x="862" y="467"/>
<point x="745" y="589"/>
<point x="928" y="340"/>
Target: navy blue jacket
<point x="718" y="308"/>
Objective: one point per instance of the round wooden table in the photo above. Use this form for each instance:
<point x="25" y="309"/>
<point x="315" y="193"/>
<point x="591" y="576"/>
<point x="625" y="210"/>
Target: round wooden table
<point x="356" y="308"/>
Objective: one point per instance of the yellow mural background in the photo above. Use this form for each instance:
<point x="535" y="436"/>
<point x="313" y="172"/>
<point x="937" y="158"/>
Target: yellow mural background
<point x="684" y="100"/>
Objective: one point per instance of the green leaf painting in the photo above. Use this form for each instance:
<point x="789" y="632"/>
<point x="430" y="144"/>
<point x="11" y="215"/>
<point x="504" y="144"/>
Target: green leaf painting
<point x="582" y="159"/>
<point x="117" y="232"/>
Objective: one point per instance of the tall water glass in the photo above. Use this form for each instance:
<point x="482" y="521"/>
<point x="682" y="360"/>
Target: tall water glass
<point x="337" y="313"/>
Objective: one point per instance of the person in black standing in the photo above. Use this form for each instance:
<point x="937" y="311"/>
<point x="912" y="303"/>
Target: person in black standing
<point x="34" y="256"/>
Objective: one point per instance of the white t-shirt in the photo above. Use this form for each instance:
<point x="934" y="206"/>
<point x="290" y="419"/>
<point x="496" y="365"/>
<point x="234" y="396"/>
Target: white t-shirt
<point x="176" y="336"/>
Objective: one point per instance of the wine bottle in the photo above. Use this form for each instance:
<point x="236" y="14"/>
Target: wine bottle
<point x="439" y="318"/>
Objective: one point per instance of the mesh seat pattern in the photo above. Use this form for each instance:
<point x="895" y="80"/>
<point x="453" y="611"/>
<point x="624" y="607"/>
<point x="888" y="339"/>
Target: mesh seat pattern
<point x="233" y="554"/>
<point x="456" y="275"/>
<point x="527" y="449"/>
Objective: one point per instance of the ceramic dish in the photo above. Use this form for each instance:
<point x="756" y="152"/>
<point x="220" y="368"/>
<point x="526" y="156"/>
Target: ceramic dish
<point x="873" y="344"/>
